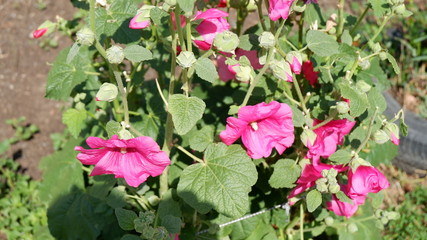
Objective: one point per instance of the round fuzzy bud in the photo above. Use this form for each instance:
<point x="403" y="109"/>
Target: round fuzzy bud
<point x="282" y="70"/>
<point x="392" y="131"/>
<point x="365" y="64"/>
<point x="400" y="9"/>
<point x="85" y="36"/>
<point x="243" y="73"/>
<point x="226" y="41"/>
<point x="378" y="213"/>
<point x="334" y="188"/>
<point x="107" y="92"/>
<point x="332" y="173"/>
<point x="325" y="172"/>
<point x="343" y="107"/>
<point x="125" y="134"/>
<point x="329" y="221"/>
<point x="297" y="8"/>
<point x="384" y="220"/>
<point x="186" y="59"/>
<point x="308" y="137"/>
<point x="352" y="228"/>
<point x="363" y="86"/>
<point x="380" y="137"/>
<point x="267" y="40"/>
<point x="171" y="2"/>
<point x="153" y="200"/>
<point x="383" y="56"/>
<point x="321" y="185"/>
<point x="115" y="54"/>
<point x="393" y="215"/>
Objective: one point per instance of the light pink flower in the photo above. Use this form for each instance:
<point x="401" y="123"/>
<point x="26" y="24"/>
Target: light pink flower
<point x="135" y="24"/>
<point x="309" y="175"/>
<point x="225" y="73"/>
<point x="262" y="127"/>
<point x="214" y="22"/>
<point x="328" y="137"/>
<point x="309" y="73"/>
<point x="366" y="180"/>
<point x="279" y="9"/>
<point x="134" y="159"/>
<point x="344" y="208"/>
<point x="39" y="32"/>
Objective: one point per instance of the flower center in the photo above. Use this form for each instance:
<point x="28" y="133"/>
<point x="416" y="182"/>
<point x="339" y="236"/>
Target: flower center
<point x="254" y="125"/>
<point x="123" y="150"/>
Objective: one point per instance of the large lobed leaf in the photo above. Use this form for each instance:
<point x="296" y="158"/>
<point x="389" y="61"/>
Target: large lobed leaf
<point x="222" y="182"/>
<point x="185" y="111"/>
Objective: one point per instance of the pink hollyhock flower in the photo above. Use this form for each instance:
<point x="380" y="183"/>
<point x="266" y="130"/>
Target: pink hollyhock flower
<point x="136" y="24"/>
<point x="39" y="32"/>
<point x="222" y="3"/>
<point x="279" y="9"/>
<point x="295" y="65"/>
<point x="214" y="22"/>
<point x="134" y="159"/>
<point x="344" y="208"/>
<point x="225" y="71"/>
<point x="366" y="180"/>
<point x="309" y="73"/>
<point x="262" y="127"/>
<point x="309" y="175"/>
<point x="328" y="137"/>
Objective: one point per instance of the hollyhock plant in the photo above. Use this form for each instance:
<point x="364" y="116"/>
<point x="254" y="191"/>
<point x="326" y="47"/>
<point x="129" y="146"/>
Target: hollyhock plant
<point x="225" y="71"/>
<point x="214" y="22"/>
<point x="309" y="73"/>
<point x="262" y="127"/>
<point x="39" y="32"/>
<point x="328" y="137"/>
<point x="366" y="179"/>
<point x="134" y="159"/>
<point x="279" y="9"/>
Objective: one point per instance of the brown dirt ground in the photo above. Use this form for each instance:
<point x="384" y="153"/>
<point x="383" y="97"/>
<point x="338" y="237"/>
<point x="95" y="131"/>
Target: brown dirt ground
<point x="24" y="67"/>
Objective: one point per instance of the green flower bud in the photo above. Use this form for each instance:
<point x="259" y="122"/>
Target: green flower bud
<point x="153" y="200"/>
<point x="308" y="137"/>
<point x="267" y="40"/>
<point x="251" y="6"/>
<point x="380" y="137"/>
<point x="383" y="56"/>
<point x="363" y="86"/>
<point x="400" y="9"/>
<point x="85" y="36"/>
<point x="334" y="188"/>
<point x="325" y="172"/>
<point x="115" y="54"/>
<point x="186" y="59"/>
<point x="393" y="215"/>
<point x="243" y="73"/>
<point x="384" y="220"/>
<point x="378" y="213"/>
<point x="125" y="134"/>
<point x="171" y="2"/>
<point x="321" y="185"/>
<point x="297" y="8"/>
<point x="352" y="228"/>
<point x="332" y="173"/>
<point x="226" y="41"/>
<point x="365" y="64"/>
<point x="107" y="92"/>
<point x="392" y="131"/>
<point x="333" y="30"/>
<point x="282" y="70"/>
<point x="343" y="107"/>
<point x="397" y="2"/>
<point x="329" y="221"/>
<point x="376" y="47"/>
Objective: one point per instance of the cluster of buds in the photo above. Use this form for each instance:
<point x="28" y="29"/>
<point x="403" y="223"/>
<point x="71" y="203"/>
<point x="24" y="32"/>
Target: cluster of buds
<point x="398" y="7"/>
<point x="329" y="182"/>
<point x="386" y="216"/>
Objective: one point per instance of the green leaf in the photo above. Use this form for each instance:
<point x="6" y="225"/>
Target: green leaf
<point x="366" y="226"/>
<point x="242" y="229"/>
<point x="158" y="16"/>
<point x="376" y="100"/>
<point x="136" y="53"/>
<point x="285" y="174"/>
<point x="125" y="218"/>
<point x="200" y="140"/>
<point x="74" y="50"/>
<point x="380" y="7"/>
<point x="248" y="42"/>
<point x="298" y="118"/>
<point x="113" y="128"/>
<point x="185" y="111"/>
<point x="62" y="173"/>
<point x="346" y="38"/>
<point x="206" y="70"/>
<point x="171" y="223"/>
<point x="314" y="199"/>
<point x="341" y="156"/>
<point x="75" y="120"/>
<point x="381" y="153"/>
<point x="117" y="197"/>
<point x="393" y="62"/>
<point x="321" y="43"/>
<point x="114" y="22"/>
<point x="222" y="182"/>
<point x="130" y="237"/>
<point x="186" y="5"/>
<point x="343" y="197"/>
<point x="313" y="13"/>
<point x="358" y="100"/>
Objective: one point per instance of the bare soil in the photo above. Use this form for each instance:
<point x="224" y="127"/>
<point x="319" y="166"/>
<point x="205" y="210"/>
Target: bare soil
<point x="23" y="73"/>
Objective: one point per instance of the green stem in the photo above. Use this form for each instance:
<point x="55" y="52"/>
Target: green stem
<point x="301" y="221"/>
<point x="257" y="77"/>
<point x="326" y="121"/>
<point x="300" y="96"/>
<point x="261" y="19"/>
<point x="359" y="20"/>
<point x="341" y="20"/>
<point x="290" y="44"/>
<point x="379" y="30"/>
<point x="188" y="31"/>
<point x="178" y="27"/>
<point x="122" y="91"/>
<point x="190" y="154"/>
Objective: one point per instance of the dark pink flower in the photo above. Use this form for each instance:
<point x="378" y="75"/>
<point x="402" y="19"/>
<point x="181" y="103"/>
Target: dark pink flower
<point x="344" y="208"/>
<point x="366" y="180"/>
<point x="135" y="23"/>
<point x="134" y="159"/>
<point x="222" y="3"/>
<point x="279" y="9"/>
<point x="262" y="127"/>
<point x="328" y="137"/>
<point x="309" y="73"/>
<point x="225" y="73"/>
<point x="295" y="65"/>
<point x="214" y="22"/>
<point x="39" y="32"/>
<point x="309" y="175"/>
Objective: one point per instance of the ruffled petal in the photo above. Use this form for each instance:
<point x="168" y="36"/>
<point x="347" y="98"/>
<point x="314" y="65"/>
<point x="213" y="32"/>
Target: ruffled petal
<point x="233" y="130"/>
<point x="89" y="156"/>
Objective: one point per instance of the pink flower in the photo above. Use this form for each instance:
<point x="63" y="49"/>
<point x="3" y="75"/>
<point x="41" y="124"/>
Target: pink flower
<point x="279" y="9"/>
<point x="344" y="208"/>
<point x="135" y="23"/>
<point x="39" y="32"/>
<point x="295" y="65"/>
<point x="214" y="22"/>
<point x="134" y="159"/>
<point x="309" y="176"/>
<point x="328" y="137"/>
<point x="366" y="180"/>
<point x="309" y="73"/>
<point x="225" y="73"/>
<point x="262" y="127"/>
